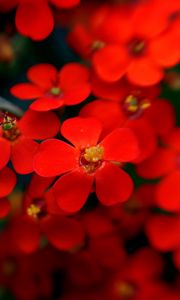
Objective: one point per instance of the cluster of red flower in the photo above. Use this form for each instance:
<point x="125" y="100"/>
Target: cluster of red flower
<point x="123" y="127"/>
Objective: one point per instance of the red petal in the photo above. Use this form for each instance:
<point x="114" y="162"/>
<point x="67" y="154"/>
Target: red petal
<point x="72" y="75"/>
<point x="4" y="207"/>
<point x="72" y="199"/>
<point x="161" y="116"/>
<point x="168" y="192"/>
<point x="163" y="232"/>
<point x="120" y="145"/>
<point x="38" y="185"/>
<point x="163" y="50"/>
<point x="7" y="181"/>
<point x="108" y="251"/>
<point x="43" y="75"/>
<point x="63" y="233"/>
<point x="110" y="62"/>
<point x="174" y="139"/>
<point x="159" y="164"/>
<point x="45" y="104"/>
<point x="107" y="112"/>
<point x="22" y="155"/>
<point x="26" y="234"/>
<point x="65" y="3"/>
<point x="5" y="150"/>
<point x="176" y="258"/>
<point x="54" y="157"/>
<point x="115" y="91"/>
<point x="146" y="137"/>
<point x="26" y="91"/>
<point x="113" y="185"/>
<point x="29" y="16"/>
<point x="77" y="94"/>
<point x="81" y="132"/>
<point x="6" y="5"/>
<point x="144" y="24"/>
<point x="143" y="72"/>
<point x="38" y="125"/>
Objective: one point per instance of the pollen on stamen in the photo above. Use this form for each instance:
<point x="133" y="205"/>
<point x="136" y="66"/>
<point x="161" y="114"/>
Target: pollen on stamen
<point x="33" y="211"/>
<point x="131" y="103"/>
<point x="94" y="154"/>
<point x="55" y="91"/>
<point x="97" y="45"/>
<point x="125" y="290"/>
<point x="91" y="158"/>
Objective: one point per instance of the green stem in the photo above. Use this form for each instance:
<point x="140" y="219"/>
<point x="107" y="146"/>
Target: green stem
<point x="10" y="107"/>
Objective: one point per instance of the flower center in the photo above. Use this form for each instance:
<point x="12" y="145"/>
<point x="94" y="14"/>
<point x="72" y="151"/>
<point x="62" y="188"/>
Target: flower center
<point x="36" y="209"/>
<point x="55" y="91"/>
<point x="97" y="45"/>
<point x="134" y="105"/>
<point x="125" y="290"/>
<point x="9" y="267"/>
<point x="9" y="127"/>
<point x="91" y="158"/>
<point x="137" y="47"/>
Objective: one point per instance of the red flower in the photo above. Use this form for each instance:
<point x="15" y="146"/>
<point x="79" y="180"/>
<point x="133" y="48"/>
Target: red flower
<point x="62" y="232"/>
<point x="54" y="89"/>
<point x="130" y="43"/>
<point x="136" y="280"/>
<point x="165" y="163"/>
<point x="37" y="222"/>
<point x="87" y="162"/>
<point x="163" y="232"/>
<point x="17" y="137"/>
<point x="7" y="182"/>
<point x="30" y="15"/>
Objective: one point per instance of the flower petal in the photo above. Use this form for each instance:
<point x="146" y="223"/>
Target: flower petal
<point x="159" y="164"/>
<point x="143" y="72"/>
<point x="163" y="232"/>
<point x="47" y="103"/>
<point x="26" y="91"/>
<point x="107" y="112"/>
<point x="7" y="181"/>
<point x="39" y="125"/>
<point x="72" y="199"/>
<point x="54" y="157"/>
<point x="162" y="52"/>
<point x="43" y="75"/>
<point x="25" y="234"/>
<point x="110" y="62"/>
<point x="22" y="155"/>
<point x="72" y="75"/>
<point x="120" y="145"/>
<point x="168" y="193"/>
<point x="77" y="94"/>
<point x="81" y="132"/>
<point x="63" y="233"/>
<point x="4" y="207"/>
<point x="29" y="16"/>
<point x="5" y="150"/>
<point x="113" y="185"/>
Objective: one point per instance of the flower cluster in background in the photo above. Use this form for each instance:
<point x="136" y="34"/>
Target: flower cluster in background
<point x="89" y="150"/>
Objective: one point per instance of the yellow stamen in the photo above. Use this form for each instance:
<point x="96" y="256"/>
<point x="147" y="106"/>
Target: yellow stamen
<point x="96" y="45"/>
<point x="33" y="210"/>
<point x="145" y="104"/>
<point x="132" y="103"/>
<point x="125" y="290"/>
<point x="94" y="154"/>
